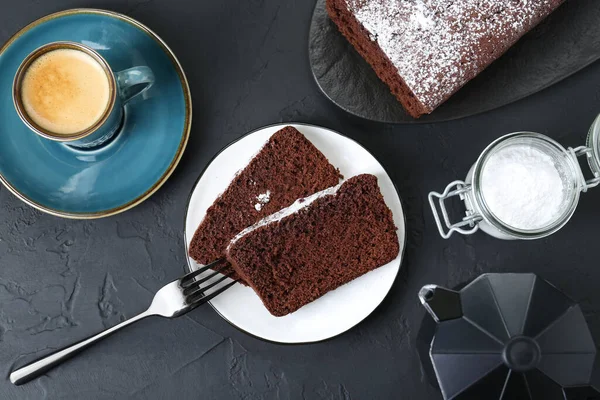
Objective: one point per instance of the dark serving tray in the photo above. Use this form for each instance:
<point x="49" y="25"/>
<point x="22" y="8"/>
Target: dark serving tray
<point x="567" y="41"/>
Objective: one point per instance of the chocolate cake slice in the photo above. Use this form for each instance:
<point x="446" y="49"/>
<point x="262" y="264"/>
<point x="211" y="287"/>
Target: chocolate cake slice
<point x="288" y="167"/>
<point x="425" y="50"/>
<point x="316" y="245"/>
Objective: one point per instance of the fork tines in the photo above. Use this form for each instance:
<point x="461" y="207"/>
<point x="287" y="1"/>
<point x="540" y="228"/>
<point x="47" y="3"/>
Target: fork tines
<point x="192" y="284"/>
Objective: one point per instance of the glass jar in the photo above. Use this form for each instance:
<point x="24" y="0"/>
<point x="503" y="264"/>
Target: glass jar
<point x="478" y="213"/>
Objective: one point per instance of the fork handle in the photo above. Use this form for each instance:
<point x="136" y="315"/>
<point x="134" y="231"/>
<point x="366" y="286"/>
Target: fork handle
<point x="39" y="367"/>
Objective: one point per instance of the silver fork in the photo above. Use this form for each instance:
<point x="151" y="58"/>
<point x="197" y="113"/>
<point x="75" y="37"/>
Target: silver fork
<point x="172" y="300"/>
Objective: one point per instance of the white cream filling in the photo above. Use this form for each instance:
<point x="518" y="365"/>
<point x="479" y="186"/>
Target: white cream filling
<point x="292" y="209"/>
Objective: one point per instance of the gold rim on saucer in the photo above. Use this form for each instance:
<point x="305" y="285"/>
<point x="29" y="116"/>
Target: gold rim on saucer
<point x="187" y="123"/>
<point x="34" y="55"/>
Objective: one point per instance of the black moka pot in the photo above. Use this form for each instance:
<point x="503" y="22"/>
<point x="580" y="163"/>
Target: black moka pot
<point x="508" y="337"/>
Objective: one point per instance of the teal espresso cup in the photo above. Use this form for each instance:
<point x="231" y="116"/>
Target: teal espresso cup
<point x="67" y="92"/>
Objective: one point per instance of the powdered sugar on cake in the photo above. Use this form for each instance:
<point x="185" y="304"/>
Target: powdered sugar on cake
<point x="439" y="45"/>
<point x="262" y="199"/>
<point x="294" y="208"/>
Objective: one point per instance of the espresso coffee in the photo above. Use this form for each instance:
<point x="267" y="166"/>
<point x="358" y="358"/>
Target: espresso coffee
<point x="65" y="91"/>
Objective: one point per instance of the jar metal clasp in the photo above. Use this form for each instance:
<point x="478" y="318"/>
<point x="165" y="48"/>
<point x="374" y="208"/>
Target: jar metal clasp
<point x="583" y="183"/>
<point x="471" y="219"/>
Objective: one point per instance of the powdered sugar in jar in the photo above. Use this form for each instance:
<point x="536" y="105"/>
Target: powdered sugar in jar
<point x="524" y="186"/>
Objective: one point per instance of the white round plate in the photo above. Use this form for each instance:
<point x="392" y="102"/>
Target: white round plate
<point x="336" y="311"/>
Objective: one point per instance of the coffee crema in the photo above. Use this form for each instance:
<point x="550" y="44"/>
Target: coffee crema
<point x="65" y="91"/>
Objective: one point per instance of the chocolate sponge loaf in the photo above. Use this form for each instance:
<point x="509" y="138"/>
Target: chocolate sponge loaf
<point x="288" y="167"/>
<point x="316" y="245"/>
<point x="425" y="50"/>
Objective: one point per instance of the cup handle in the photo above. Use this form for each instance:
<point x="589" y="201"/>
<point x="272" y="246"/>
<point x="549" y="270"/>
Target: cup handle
<point x="134" y="81"/>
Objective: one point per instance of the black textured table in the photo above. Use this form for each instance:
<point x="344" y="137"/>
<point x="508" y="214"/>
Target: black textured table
<point x="247" y="65"/>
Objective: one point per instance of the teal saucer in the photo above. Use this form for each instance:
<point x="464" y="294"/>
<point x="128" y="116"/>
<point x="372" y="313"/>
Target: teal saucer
<point x="70" y="183"/>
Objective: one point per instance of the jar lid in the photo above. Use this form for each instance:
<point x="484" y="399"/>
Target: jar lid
<point x="593" y="143"/>
<point x="526" y="185"/>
